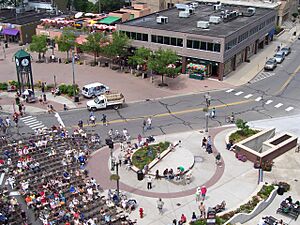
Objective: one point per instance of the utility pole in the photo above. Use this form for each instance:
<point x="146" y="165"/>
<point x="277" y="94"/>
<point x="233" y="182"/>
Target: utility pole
<point x="73" y="73"/>
<point x="207" y="101"/>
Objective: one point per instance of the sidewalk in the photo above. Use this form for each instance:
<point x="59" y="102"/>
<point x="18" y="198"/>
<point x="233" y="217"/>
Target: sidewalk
<point x="247" y="71"/>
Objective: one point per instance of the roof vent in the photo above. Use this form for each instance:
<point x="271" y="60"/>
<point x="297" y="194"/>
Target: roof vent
<point x="251" y="10"/>
<point x="230" y="16"/>
<point x="215" y="19"/>
<point x="195" y="4"/>
<point x="203" y="24"/>
<point x="218" y="7"/>
<point x="162" y="19"/>
<point x="181" y="6"/>
<point x="184" y="14"/>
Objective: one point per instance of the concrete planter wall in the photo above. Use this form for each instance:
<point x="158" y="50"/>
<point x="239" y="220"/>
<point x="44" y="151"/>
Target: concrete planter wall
<point x="245" y="217"/>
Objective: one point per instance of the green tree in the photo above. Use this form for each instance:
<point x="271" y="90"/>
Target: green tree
<point x="66" y="41"/>
<point x="109" y="5"/>
<point x="84" y="6"/>
<point x="162" y="62"/>
<point x="117" y="46"/>
<point x="242" y="125"/>
<point x="39" y="45"/>
<point x="94" y="44"/>
<point x="140" y="57"/>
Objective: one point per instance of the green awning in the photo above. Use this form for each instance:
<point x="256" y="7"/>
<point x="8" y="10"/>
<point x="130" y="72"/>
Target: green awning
<point x="109" y="20"/>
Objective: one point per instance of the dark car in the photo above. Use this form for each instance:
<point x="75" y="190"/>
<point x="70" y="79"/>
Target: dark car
<point x="270" y="64"/>
<point x="286" y="50"/>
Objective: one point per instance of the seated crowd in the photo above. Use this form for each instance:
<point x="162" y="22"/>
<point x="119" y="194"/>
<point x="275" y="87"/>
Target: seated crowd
<point x="48" y="170"/>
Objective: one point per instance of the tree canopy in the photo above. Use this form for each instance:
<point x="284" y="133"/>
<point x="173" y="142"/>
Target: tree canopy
<point x="140" y="57"/>
<point x="117" y="46"/>
<point x="38" y="44"/>
<point x="66" y="41"/>
<point x="105" y="5"/>
<point x="94" y="43"/>
<point x="163" y="62"/>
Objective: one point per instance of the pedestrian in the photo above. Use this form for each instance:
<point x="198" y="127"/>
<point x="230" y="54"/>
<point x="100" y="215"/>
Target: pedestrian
<point x="174" y="222"/>
<point x="65" y="107"/>
<point x="8" y="122"/>
<point x="20" y="109"/>
<point x="23" y="106"/>
<point x="204" y="142"/>
<point x="207" y="99"/>
<point x="122" y="146"/>
<point x="144" y="125"/>
<point x="160" y="205"/>
<point x="149" y="123"/>
<point x="202" y="210"/>
<point x="203" y="192"/>
<point x="197" y="194"/>
<point x="157" y="175"/>
<point x="16" y="119"/>
<point x="44" y="98"/>
<point x="17" y="99"/>
<point x="149" y="183"/>
<point x="104" y="120"/>
<point x="43" y="88"/>
<point x="194" y="217"/>
<point x="120" y="157"/>
<point x="182" y="219"/>
<point x="218" y="159"/>
<point x="213" y="113"/>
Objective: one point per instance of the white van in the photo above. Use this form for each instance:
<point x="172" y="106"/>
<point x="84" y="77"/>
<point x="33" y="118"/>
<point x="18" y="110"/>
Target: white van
<point x="94" y="89"/>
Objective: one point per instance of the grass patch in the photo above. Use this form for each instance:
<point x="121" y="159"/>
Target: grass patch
<point x="146" y="155"/>
<point x="240" y="135"/>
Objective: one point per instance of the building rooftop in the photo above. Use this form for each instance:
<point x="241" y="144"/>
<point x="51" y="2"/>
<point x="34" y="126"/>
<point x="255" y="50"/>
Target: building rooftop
<point x="202" y="13"/>
<point x="10" y="16"/>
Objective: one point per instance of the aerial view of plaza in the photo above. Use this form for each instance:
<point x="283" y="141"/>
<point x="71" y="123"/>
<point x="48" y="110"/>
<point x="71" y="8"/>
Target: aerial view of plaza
<point x="149" y="112"/>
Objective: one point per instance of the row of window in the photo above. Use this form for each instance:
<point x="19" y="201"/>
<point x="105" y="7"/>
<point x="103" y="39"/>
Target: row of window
<point x="203" y="45"/>
<point x="137" y="36"/>
<point x="167" y="40"/>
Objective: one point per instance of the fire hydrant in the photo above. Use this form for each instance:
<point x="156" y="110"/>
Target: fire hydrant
<point x="141" y="212"/>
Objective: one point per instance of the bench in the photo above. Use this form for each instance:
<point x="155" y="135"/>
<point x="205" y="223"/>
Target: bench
<point x="291" y="213"/>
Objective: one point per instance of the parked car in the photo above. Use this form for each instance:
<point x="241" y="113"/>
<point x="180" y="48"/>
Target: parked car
<point x="286" y="50"/>
<point x="279" y="56"/>
<point x="271" y="64"/>
<point x="94" y="89"/>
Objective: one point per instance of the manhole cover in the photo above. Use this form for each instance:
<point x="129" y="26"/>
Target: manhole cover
<point x="198" y="159"/>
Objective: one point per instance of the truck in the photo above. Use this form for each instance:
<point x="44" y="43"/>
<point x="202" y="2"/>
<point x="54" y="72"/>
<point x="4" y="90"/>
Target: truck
<point x="112" y="99"/>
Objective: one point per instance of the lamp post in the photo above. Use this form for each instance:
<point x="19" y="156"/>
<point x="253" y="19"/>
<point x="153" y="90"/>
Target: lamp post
<point x="73" y="72"/>
<point x="207" y="101"/>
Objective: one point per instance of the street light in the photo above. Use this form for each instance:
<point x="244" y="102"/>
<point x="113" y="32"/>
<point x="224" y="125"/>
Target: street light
<point x="116" y="164"/>
<point x="207" y="101"/>
<point x="73" y="72"/>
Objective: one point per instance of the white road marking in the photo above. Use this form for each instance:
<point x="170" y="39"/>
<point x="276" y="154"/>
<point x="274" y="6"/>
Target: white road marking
<point x="26" y="117"/>
<point x="258" y="99"/>
<point x="230" y="90"/>
<point x="269" y="102"/>
<point x="1" y="178"/>
<point x="14" y="193"/>
<point x="289" y="108"/>
<point x="278" y="105"/>
<point x="29" y="121"/>
<point x="248" y="96"/>
<point x="35" y="122"/>
<point x="239" y="93"/>
<point x="35" y="125"/>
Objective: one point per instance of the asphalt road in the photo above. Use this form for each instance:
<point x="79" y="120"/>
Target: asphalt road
<point x="275" y="96"/>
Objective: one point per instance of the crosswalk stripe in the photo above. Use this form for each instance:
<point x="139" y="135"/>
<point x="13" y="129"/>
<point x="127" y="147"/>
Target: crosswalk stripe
<point x="278" y="105"/>
<point x="1" y="178"/>
<point x="289" y="108"/>
<point x="269" y="102"/>
<point x="258" y="99"/>
<point x="29" y="121"/>
<point x="239" y="93"/>
<point x="248" y="96"/>
<point x="40" y="126"/>
<point x="26" y="117"/>
<point x="34" y="123"/>
<point x="14" y="193"/>
<point x="230" y="90"/>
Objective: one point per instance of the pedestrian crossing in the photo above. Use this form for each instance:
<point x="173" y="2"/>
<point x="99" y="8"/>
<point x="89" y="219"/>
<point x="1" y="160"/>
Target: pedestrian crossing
<point x="33" y="123"/>
<point x="261" y="76"/>
<point x="269" y="102"/>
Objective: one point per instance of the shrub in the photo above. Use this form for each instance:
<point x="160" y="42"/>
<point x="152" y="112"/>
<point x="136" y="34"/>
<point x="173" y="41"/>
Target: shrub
<point x="278" y="29"/>
<point x="68" y="89"/>
<point x="14" y="83"/>
<point x="3" y="86"/>
<point x="265" y="191"/>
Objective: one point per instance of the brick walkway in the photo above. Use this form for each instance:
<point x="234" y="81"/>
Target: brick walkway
<point x="98" y="167"/>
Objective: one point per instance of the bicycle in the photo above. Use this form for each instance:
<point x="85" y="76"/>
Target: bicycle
<point x="230" y="119"/>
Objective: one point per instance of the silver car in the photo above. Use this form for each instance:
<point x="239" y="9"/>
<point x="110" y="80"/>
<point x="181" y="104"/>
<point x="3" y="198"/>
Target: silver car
<point x="279" y="56"/>
<point x="286" y="50"/>
<point x="271" y="64"/>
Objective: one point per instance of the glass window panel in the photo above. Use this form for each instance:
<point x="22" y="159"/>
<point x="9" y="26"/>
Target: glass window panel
<point x="128" y="34"/>
<point x="217" y="47"/>
<point x="189" y="44"/>
<point x="153" y="38"/>
<point x="139" y="36"/>
<point x="173" y="41"/>
<point x="203" y="45"/>
<point x="160" y="39"/>
<point x="145" y="37"/>
<point x="196" y="44"/>
<point x="166" y="40"/>
<point x="179" y="42"/>
<point x="210" y="46"/>
<point x="133" y="35"/>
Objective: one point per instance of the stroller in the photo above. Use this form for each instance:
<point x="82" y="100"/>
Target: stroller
<point x="220" y="207"/>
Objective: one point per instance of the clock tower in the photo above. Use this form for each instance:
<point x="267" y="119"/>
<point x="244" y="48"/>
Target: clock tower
<point x="24" y="71"/>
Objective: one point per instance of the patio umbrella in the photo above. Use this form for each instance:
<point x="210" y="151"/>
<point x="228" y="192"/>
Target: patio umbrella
<point x="181" y="168"/>
<point x="78" y="15"/>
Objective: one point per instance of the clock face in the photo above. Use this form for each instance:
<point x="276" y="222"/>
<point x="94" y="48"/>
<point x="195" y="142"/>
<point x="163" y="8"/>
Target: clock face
<point x="25" y="62"/>
<point x="17" y="62"/>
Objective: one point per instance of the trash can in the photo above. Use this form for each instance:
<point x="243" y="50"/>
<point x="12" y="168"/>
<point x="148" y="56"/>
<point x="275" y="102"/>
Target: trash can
<point x="211" y="216"/>
<point x="76" y="98"/>
<point x="140" y="175"/>
<point x="280" y="190"/>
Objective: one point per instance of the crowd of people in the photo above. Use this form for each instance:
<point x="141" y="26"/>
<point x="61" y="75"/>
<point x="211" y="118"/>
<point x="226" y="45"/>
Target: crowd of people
<point x="49" y="172"/>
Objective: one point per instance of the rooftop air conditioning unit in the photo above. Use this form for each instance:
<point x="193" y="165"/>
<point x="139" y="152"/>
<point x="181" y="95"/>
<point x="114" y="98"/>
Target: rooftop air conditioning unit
<point x="181" y="6"/>
<point x="203" y="24"/>
<point x="251" y="10"/>
<point x="184" y="14"/>
<point x="218" y="7"/>
<point x="191" y="10"/>
<point x="215" y="19"/>
<point x="162" y="19"/>
<point x="195" y="4"/>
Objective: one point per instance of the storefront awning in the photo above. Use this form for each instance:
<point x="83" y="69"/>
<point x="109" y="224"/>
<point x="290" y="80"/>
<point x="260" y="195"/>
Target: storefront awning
<point x="109" y="20"/>
<point x="9" y="31"/>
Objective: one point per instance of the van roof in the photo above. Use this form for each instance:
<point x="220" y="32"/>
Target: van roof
<point x="92" y="85"/>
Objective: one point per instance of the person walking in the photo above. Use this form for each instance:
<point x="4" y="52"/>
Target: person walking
<point x="104" y="120"/>
<point x="149" y="183"/>
<point x="8" y="122"/>
<point x="144" y="125"/>
<point x="218" y="159"/>
<point x="149" y="123"/>
<point x="160" y="205"/>
<point x="202" y="210"/>
<point x="204" y="142"/>
<point x="203" y="192"/>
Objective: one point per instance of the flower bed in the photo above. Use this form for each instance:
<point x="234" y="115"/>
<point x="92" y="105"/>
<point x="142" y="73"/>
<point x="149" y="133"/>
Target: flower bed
<point x="145" y="155"/>
<point x="239" y="135"/>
